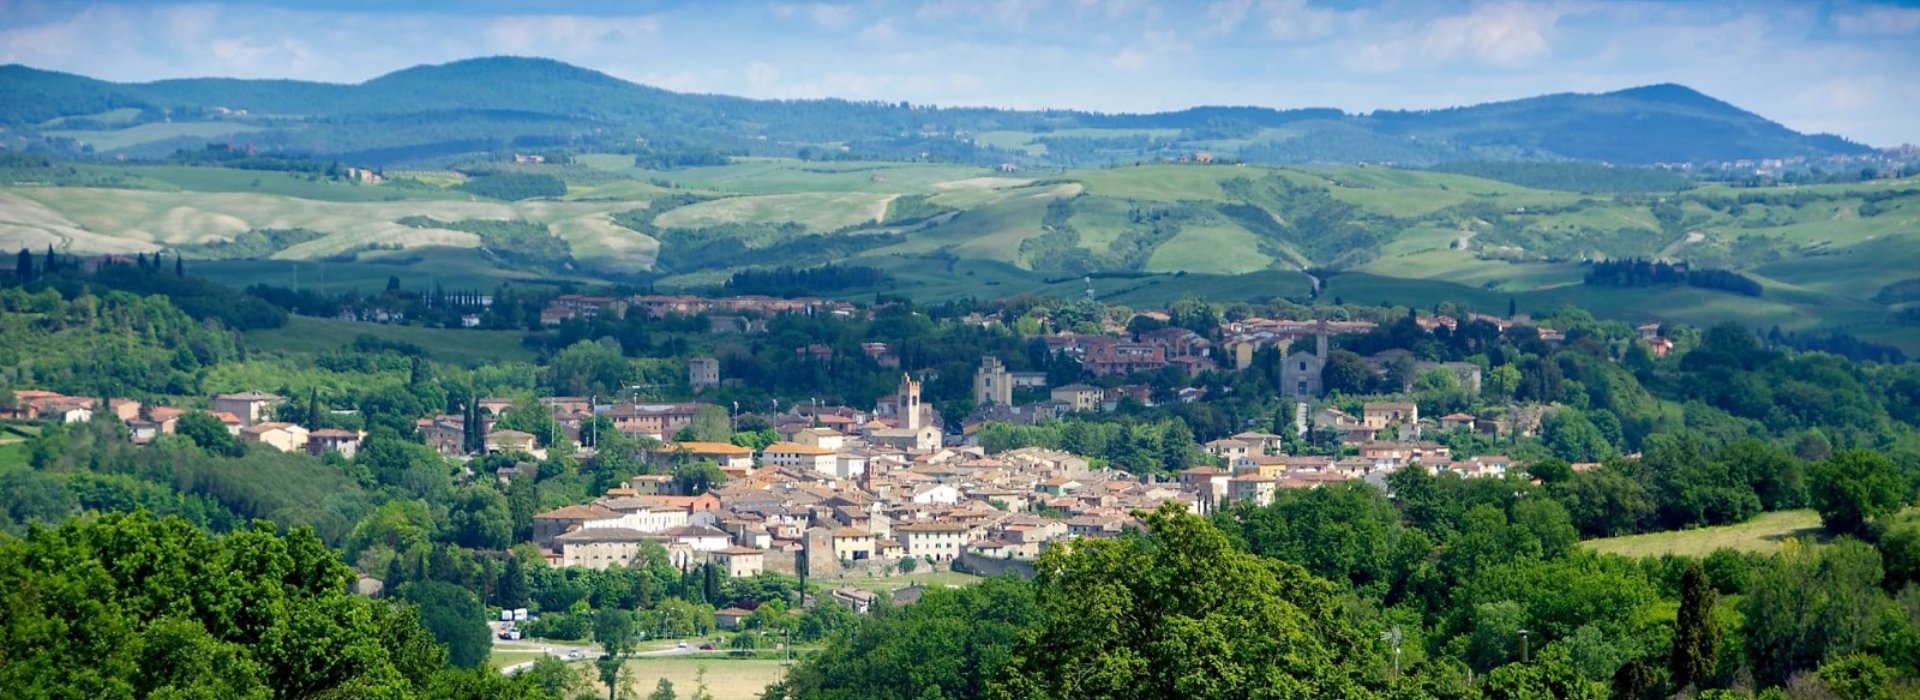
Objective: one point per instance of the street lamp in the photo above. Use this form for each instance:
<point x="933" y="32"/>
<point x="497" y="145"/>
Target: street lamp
<point x="1523" y="645"/>
<point x="1392" y="636"/>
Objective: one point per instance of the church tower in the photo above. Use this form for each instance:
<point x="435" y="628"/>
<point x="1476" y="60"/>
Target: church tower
<point x="909" y="402"/>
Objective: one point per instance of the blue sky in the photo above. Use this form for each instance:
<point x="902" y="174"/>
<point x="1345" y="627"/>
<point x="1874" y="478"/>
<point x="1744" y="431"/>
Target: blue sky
<point x="1851" y="68"/>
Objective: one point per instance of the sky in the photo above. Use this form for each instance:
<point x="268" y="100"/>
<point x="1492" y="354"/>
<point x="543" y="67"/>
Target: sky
<point x="1850" y="68"/>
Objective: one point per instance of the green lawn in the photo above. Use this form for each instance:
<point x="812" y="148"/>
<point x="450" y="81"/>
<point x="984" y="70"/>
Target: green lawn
<point x="726" y="678"/>
<point x="503" y="658"/>
<point x="305" y="334"/>
<point x="1761" y="534"/>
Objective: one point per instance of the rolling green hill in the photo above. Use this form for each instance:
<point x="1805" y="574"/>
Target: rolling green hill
<point x="484" y="105"/>
<point x="1823" y="257"/>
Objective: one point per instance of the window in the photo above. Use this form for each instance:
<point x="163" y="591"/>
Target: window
<point x="1303" y="366"/>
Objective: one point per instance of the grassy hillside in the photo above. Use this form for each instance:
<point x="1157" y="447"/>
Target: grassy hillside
<point x="1764" y="533"/>
<point x="1821" y="255"/>
<point x="304" y="334"/>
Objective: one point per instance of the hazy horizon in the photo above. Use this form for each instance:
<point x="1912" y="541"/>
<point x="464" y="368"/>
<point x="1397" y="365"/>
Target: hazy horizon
<point x="1848" y="68"/>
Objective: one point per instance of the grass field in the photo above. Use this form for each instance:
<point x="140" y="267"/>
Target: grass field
<point x="817" y="211"/>
<point x="1444" y="237"/>
<point x="502" y="658"/>
<point x="71" y="218"/>
<point x="1764" y="533"/>
<point x="1215" y="247"/>
<point x="305" y="334"/>
<point x="418" y="269"/>
<point x="726" y="679"/>
<point x="103" y="141"/>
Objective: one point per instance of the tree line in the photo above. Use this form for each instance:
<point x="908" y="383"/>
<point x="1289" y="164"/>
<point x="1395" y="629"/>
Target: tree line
<point x="1634" y="272"/>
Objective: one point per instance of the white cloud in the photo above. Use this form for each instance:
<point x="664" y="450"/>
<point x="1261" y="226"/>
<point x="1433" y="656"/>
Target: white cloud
<point x="564" y="34"/>
<point x="823" y="14"/>
<point x="1152" y="50"/>
<point x="879" y="32"/>
<point x="762" y="76"/>
<point x="1879" y="21"/>
<point x="1502" y="35"/>
<point x="1006" y="13"/>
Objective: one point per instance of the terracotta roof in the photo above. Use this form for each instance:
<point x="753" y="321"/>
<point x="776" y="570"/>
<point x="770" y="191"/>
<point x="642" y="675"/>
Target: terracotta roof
<point x="578" y="512"/>
<point x="708" y="448"/>
<point x="796" y="448"/>
<point x="606" y="534"/>
<point x="932" y="527"/>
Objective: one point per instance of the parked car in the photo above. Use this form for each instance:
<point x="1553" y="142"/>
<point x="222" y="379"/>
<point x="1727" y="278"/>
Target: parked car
<point x="706" y="647"/>
<point x="683" y="645"/>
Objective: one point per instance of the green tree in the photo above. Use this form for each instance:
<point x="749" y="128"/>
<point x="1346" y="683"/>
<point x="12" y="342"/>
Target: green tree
<point x="613" y="629"/>
<point x="663" y="691"/>
<point x="1806" y="604"/>
<point x="1858" y="677"/>
<point x="455" y="617"/>
<point x="512" y="590"/>
<point x="698" y="477"/>
<point x="587" y="368"/>
<point x="1696" y="636"/>
<point x="1854" y="487"/>
<point x="479" y="518"/>
<point x="1346" y="373"/>
<point x="252" y="614"/>
<point x="1181" y="613"/>
<point x="711" y="424"/>
<point x="208" y="432"/>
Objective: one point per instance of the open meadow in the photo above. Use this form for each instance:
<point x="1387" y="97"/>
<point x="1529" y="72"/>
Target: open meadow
<point x="725" y="678"/>
<point x="1764" y="533"/>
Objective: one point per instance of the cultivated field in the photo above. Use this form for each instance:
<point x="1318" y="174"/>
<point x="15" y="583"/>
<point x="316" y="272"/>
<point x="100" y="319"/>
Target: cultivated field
<point x="1764" y="533"/>
<point x="726" y="679"/>
<point x="1820" y="252"/>
<point x="816" y="211"/>
<point x="86" y="220"/>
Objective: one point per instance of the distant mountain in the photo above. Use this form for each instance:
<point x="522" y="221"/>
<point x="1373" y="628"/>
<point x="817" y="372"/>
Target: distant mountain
<point x="490" y="104"/>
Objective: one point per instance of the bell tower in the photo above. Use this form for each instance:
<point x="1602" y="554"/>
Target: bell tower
<point x="908" y="402"/>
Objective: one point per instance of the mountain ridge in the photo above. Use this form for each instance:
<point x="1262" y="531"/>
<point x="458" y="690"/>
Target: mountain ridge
<point x="1663" y="122"/>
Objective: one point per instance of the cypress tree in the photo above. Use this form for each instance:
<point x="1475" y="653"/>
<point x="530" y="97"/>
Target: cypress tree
<point x="23" y="268"/>
<point x="313" y="408"/>
<point x="52" y="261"/>
<point x="710" y="583"/>
<point x="179" y="266"/>
<point x="1696" y="637"/>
